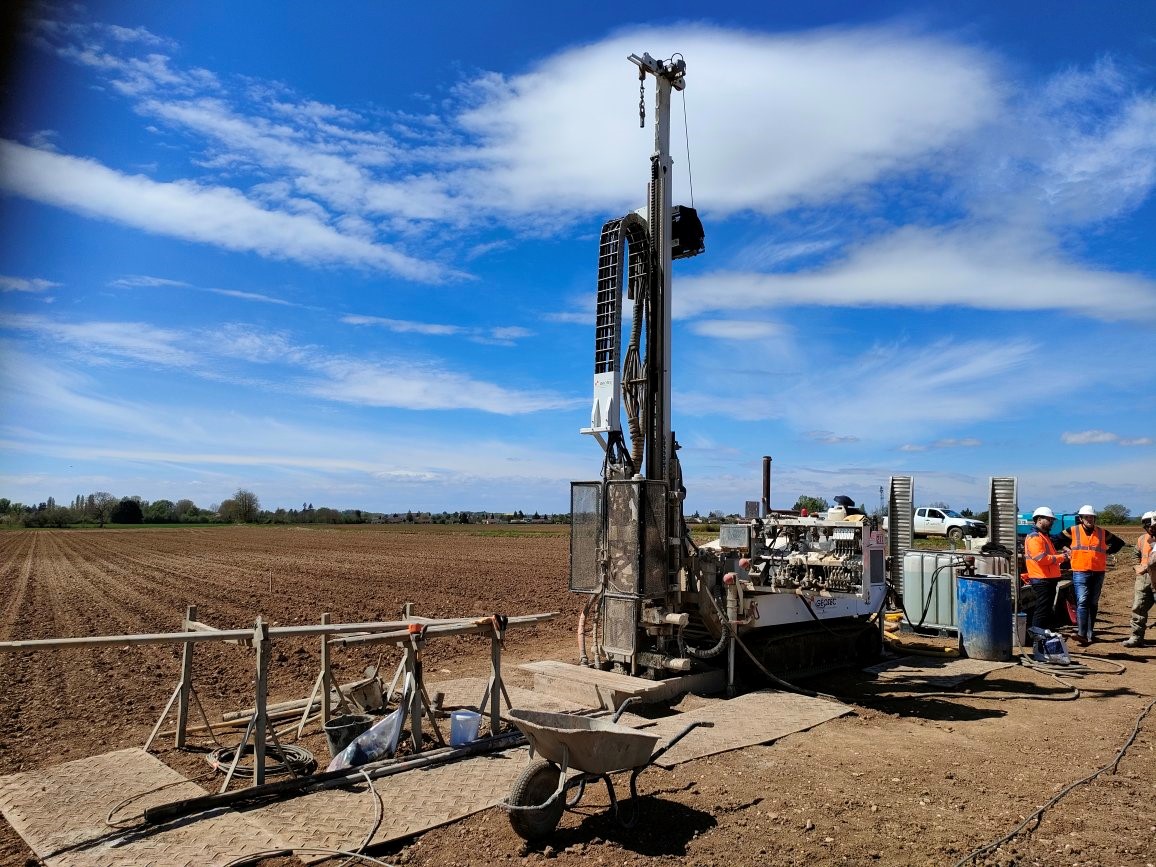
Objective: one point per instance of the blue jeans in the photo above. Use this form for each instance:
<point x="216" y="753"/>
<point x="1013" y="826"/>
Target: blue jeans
<point x="1088" y="586"/>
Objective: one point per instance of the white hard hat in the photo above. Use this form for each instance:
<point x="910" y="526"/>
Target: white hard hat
<point x="1043" y="512"/>
<point x="1147" y="516"/>
<point x="1086" y="510"/>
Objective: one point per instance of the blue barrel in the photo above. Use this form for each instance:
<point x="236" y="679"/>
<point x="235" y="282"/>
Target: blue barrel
<point x="983" y="605"/>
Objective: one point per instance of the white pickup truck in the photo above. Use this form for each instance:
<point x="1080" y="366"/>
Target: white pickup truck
<point x="933" y="521"/>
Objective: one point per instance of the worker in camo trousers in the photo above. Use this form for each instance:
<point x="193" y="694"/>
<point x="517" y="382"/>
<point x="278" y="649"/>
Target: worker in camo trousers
<point x="1144" y="593"/>
<point x="1043" y="567"/>
<point x="1088" y="547"/>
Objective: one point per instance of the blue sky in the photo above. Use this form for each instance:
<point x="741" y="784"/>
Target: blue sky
<point x="348" y="258"/>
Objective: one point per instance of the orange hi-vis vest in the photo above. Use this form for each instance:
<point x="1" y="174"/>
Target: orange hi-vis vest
<point x="1089" y="550"/>
<point x="1040" y="557"/>
<point x="1144" y="546"/>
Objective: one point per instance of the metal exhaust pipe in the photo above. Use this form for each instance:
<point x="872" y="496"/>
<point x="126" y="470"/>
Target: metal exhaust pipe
<point x="766" y="485"/>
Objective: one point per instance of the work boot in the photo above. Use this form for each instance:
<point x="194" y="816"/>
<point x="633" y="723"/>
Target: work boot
<point x="1134" y="641"/>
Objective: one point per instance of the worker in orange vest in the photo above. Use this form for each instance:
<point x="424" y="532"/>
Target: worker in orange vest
<point x="1043" y="567"/>
<point x="1088" y="547"/>
<point x="1144" y="593"/>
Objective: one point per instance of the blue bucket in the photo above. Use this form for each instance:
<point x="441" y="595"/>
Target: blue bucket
<point x="983" y="606"/>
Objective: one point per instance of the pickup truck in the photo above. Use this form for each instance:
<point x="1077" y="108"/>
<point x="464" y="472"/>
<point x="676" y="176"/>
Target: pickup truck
<point x="932" y="521"/>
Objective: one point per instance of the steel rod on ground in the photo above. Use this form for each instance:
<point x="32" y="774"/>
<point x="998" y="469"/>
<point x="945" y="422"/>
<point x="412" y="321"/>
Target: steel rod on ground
<point x="328" y="780"/>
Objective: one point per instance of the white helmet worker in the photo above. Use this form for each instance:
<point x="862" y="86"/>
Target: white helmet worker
<point x="1087" y="510"/>
<point x="1043" y="512"/>
<point x="1147" y="518"/>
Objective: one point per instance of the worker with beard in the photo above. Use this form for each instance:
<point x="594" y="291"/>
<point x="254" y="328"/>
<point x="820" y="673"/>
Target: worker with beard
<point x="1043" y="567"/>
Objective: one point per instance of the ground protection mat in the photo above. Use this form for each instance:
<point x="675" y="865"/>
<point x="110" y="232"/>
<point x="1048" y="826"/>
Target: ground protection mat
<point x="932" y="671"/>
<point x="410" y="803"/>
<point x="754" y="718"/>
<point x="60" y="812"/>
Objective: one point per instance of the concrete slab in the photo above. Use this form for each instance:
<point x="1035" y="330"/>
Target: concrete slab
<point x="754" y="718"/>
<point x="60" y="812"/>
<point x="591" y="687"/>
<point x="933" y="671"/>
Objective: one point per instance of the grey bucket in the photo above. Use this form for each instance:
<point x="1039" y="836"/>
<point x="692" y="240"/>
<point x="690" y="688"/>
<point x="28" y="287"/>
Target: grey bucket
<point x="341" y="731"/>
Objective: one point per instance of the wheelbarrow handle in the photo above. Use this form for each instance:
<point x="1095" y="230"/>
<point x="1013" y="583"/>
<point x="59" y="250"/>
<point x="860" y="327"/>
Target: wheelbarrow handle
<point x="678" y="737"/>
<point x="622" y="707"/>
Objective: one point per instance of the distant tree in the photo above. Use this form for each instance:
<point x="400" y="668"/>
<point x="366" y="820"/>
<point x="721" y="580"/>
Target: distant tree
<point x="184" y="509"/>
<point x="1114" y="513"/>
<point x="161" y="511"/>
<point x="939" y="504"/>
<point x="127" y="512"/>
<point x="5" y="505"/>
<point x="967" y="513"/>
<point x="813" y="505"/>
<point x="247" y="506"/>
<point x="227" y="510"/>
<point x="99" y="506"/>
<point x="409" y="517"/>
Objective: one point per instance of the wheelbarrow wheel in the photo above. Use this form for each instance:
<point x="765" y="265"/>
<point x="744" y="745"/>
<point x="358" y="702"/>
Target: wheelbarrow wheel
<point x="536" y="784"/>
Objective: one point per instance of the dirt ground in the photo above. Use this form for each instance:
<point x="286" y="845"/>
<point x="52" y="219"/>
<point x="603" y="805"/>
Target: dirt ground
<point x="906" y="779"/>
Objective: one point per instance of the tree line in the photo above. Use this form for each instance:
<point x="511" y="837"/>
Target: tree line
<point x="244" y="507"/>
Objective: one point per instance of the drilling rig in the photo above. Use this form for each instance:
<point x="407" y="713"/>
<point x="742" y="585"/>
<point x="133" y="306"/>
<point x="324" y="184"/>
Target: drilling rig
<point x="795" y="593"/>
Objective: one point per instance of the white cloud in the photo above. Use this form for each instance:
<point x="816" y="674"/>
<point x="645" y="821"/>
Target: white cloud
<point x="251" y="296"/>
<point x="214" y="215"/>
<point x="143" y="280"/>
<point x="829" y="438"/>
<point x="500" y="335"/>
<point x="134" y="341"/>
<point x="736" y="329"/>
<point x="424" y="388"/>
<point x="947" y="443"/>
<point x="994" y="267"/>
<point x="25" y="284"/>
<point x="403" y="326"/>
<point x="1101" y="437"/>
<point x="889" y="393"/>
<point x="402" y="383"/>
<point x="778" y="120"/>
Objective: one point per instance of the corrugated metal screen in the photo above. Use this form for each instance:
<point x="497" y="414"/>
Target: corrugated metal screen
<point x="1003" y="509"/>
<point x="585" y="524"/>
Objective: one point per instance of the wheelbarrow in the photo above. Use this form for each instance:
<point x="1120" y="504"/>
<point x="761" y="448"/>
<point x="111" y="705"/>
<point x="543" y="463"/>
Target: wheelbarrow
<point x="594" y="748"/>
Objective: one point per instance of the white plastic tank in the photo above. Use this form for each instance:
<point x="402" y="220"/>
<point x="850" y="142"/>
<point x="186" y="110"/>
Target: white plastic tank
<point x="929" y="584"/>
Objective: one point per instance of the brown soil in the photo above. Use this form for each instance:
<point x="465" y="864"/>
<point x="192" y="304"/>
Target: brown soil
<point x="904" y="780"/>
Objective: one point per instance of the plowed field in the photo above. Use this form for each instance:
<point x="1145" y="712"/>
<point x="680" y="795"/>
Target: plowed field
<point x="904" y="780"/>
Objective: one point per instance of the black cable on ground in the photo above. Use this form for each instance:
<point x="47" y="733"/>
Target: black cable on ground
<point x="1037" y="816"/>
<point x="293" y="759"/>
<point x="136" y="821"/>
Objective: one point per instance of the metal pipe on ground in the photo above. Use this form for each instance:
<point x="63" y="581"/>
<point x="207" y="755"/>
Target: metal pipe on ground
<point x="328" y="780"/>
